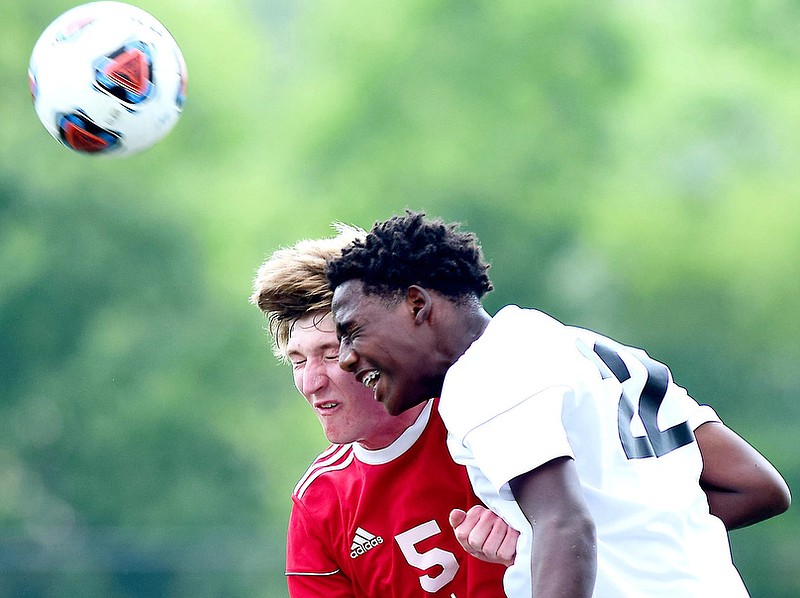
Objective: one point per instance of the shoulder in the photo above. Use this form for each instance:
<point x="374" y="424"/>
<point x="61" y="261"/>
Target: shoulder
<point x="521" y="353"/>
<point x="330" y="466"/>
<point x="516" y="335"/>
<point x="512" y="317"/>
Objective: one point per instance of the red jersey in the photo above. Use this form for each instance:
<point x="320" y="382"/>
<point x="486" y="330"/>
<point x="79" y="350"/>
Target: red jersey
<point x="374" y="524"/>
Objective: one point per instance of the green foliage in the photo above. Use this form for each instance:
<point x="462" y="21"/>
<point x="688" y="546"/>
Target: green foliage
<point x="629" y="167"/>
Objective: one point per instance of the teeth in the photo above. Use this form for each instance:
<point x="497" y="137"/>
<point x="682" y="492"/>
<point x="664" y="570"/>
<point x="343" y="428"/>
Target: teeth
<point x="371" y="379"/>
<point x="327" y="405"/>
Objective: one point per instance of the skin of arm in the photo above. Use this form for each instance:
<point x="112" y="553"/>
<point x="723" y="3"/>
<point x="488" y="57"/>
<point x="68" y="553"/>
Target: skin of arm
<point x="742" y="487"/>
<point x="485" y="535"/>
<point x="564" y="555"/>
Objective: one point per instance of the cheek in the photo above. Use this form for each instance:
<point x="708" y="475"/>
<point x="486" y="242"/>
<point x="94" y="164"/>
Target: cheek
<point x="355" y="395"/>
<point x="345" y="381"/>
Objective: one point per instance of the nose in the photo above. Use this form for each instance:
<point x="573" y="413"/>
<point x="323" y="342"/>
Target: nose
<point x="347" y="357"/>
<point x="314" y="377"/>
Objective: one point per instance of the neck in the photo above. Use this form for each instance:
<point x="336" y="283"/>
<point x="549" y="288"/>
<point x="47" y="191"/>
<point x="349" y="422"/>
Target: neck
<point x="471" y="324"/>
<point x="393" y="431"/>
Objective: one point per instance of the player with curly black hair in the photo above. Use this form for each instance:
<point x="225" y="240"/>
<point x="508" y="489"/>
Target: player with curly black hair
<point x="629" y="483"/>
<point x="410" y="250"/>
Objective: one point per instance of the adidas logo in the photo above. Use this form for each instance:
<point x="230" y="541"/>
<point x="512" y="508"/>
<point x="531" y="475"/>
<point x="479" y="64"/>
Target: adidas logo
<point x="362" y="542"/>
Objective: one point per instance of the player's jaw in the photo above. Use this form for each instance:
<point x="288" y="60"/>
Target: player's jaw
<point x="394" y="400"/>
<point x="346" y="409"/>
<point x="378" y="379"/>
<point x="397" y="386"/>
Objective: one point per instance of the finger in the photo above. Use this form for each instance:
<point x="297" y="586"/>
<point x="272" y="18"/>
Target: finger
<point x="457" y="517"/>
<point x="461" y="529"/>
<point x="479" y="524"/>
<point x="494" y="536"/>
<point x="507" y="551"/>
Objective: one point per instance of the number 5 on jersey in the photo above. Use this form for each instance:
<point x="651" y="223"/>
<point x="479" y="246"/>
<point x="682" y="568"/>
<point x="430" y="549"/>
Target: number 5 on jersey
<point x="407" y="541"/>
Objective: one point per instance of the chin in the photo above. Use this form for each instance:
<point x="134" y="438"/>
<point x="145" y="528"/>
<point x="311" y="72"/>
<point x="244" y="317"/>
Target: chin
<point x="396" y="408"/>
<point x="334" y="439"/>
<point x="393" y="409"/>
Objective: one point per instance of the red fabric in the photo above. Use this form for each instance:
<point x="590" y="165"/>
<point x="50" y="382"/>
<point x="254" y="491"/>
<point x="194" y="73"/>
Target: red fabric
<point x="385" y="508"/>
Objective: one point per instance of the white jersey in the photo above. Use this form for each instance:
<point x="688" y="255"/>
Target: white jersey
<point x="530" y="390"/>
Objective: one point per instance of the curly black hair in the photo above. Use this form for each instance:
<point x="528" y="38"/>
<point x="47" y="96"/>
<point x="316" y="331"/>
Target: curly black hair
<point x="414" y="250"/>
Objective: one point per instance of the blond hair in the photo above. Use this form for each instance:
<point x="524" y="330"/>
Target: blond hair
<point x="291" y="283"/>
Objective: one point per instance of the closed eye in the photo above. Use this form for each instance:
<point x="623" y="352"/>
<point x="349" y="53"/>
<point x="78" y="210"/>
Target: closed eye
<point x="343" y="331"/>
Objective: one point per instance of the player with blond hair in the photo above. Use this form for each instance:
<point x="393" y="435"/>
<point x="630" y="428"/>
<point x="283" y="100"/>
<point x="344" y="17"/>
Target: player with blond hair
<point x="370" y="516"/>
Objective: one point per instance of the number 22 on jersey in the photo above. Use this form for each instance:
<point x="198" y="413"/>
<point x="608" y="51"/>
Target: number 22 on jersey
<point x="655" y="442"/>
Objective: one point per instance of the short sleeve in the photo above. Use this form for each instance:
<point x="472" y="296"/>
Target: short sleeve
<point x="702" y="415"/>
<point x="311" y="570"/>
<point x="521" y="438"/>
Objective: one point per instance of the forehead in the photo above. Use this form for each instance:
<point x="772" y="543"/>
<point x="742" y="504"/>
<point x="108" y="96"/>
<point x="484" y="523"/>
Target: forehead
<point x="312" y="331"/>
<point x="346" y="298"/>
<point x="352" y="304"/>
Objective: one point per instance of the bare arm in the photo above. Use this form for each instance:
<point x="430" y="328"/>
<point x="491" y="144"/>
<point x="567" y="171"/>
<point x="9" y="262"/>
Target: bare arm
<point x="485" y="535"/>
<point x="564" y="556"/>
<point x="742" y="487"/>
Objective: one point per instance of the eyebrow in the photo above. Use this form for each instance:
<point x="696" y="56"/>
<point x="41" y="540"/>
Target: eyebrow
<point x="341" y="327"/>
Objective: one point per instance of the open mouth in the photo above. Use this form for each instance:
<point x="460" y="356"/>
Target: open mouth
<point x="371" y="381"/>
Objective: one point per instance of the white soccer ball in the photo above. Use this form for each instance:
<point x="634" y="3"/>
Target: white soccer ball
<point x="107" y="79"/>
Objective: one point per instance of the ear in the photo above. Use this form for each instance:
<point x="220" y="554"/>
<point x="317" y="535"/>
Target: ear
<point x="420" y="303"/>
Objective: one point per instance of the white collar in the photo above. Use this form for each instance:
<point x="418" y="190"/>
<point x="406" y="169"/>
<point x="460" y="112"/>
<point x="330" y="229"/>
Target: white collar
<point x="404" y="442"/>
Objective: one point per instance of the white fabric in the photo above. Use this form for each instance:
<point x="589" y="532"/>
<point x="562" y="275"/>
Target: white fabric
<point x="531" y="389"/>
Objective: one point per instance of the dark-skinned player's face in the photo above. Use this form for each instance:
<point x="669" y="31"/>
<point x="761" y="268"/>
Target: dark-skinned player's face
<point x="385" y="347"/>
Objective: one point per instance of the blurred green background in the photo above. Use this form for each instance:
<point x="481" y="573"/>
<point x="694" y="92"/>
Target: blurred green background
<point x="630" y="166"/>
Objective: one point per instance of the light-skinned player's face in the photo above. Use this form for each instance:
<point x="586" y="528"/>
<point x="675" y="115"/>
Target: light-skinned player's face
<point x="346" y="409"/>
<point x="386" y="347"/>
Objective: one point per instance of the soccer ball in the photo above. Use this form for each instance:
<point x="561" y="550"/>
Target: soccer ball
<point x="107" y="79"/>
